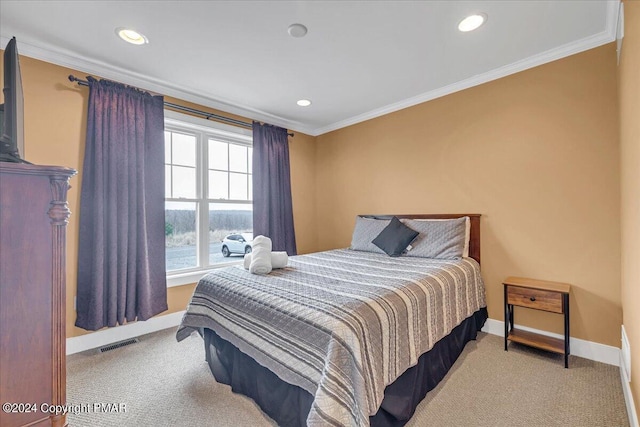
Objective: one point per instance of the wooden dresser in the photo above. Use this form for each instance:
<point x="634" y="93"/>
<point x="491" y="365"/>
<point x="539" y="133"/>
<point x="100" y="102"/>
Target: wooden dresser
<point x="33" y="219"/>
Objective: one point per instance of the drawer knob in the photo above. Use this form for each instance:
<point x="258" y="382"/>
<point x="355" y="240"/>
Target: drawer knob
<point x="532" y="299"/>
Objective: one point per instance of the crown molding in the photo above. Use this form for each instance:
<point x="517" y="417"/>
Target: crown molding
<point x="604" y="37"/>
<point x="58" y="56"/>
<point x="613" y="11"/>
<point x="67" y="59"/>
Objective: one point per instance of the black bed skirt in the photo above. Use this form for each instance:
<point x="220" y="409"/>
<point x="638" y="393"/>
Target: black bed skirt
<point x="289" y="405"/>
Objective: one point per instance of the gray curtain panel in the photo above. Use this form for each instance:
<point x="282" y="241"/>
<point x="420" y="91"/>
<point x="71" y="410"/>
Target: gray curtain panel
<point x="121" y="253"/>
<point x="272" y="207"/>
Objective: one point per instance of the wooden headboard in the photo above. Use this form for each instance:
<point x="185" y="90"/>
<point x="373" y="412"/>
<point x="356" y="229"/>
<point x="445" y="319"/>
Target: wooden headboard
<point x="474" y="239"/>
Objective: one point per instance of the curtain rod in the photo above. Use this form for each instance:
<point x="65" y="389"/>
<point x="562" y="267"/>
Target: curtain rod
<point x="206" y="115"/>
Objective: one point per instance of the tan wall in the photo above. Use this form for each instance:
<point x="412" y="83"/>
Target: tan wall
<point x="302" y="154"/>
<point x="535" y="153"/>
<point x="55" y="128"/>
<point x="629" y="95"/>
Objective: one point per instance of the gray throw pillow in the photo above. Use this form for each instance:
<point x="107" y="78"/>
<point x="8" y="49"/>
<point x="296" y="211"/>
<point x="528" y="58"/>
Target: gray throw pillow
<point x="395" y="238"/>
<point x="365" y="230"/>
<point x="437" y="239"/>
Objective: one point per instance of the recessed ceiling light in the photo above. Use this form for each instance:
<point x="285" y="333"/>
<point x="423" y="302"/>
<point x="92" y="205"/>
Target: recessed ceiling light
<point x="304" y="102"/>
<point x="297" y="30"/>
<point x="472" y="22"/>
<point x="131" y="36"/>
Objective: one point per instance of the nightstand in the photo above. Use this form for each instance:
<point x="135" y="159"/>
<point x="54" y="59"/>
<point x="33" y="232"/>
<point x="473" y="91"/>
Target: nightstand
<point x="537" y="295"/>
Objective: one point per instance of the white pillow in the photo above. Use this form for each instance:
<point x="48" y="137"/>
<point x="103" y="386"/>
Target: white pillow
<point x="467" y="233"/>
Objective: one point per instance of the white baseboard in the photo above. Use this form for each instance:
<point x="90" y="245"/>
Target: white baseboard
<point x="625" y="356"/>
<point x="628" y="397"/>
<point x="119" y="333"/>
<point x="625" y="377"/>
<point x="581" y="348"/>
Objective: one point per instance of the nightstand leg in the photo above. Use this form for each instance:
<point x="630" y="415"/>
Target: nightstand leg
<point x="565" y="303"/>
<point x="511" y="310"/>
<point x="506" y="319"/>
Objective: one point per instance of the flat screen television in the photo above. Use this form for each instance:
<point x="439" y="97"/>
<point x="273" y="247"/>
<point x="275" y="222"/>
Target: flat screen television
<point x="12" y="111"/>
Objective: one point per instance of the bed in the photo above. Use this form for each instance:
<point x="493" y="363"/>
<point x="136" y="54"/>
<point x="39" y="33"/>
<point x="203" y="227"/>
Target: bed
<point x="341" y="337"/>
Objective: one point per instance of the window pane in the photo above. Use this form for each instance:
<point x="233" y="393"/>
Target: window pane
<point x="237" y="158"/>
<point x="167" y="181"/>
<point x="250" y="158"/>
<point x="184" y="182"/>
<point x="218" y="185"/>
<point x="238" y="186"/>
<point x="167" y="147"/>
<point x="218" y="155"/>
<point x="180" y="230"/>
<point x="250" y="188"/>
<point x="226" y="219"/>
<point x="184" y="150"/>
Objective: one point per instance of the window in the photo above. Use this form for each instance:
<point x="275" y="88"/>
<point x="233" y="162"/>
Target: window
<point x="208" y="196"/>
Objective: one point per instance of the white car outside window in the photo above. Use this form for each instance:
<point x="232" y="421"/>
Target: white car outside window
<point x="238" y="243"/>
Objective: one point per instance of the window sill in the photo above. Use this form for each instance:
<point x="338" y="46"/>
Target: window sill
<point x="189" y="277"/>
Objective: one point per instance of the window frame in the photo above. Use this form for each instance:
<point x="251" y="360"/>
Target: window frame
<point x="203" y="130"/>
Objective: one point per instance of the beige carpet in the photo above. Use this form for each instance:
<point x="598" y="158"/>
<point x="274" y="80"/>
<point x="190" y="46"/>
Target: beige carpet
<point x="165" y="383"/>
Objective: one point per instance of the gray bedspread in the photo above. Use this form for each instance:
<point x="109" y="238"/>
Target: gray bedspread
<point x="340" y="324"/>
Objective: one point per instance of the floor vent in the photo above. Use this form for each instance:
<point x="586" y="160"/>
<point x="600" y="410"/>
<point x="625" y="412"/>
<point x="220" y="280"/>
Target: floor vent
<point x="118" y="345"/>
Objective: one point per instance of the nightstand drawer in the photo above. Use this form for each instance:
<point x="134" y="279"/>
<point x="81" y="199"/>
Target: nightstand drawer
<point x="535" y="298"/>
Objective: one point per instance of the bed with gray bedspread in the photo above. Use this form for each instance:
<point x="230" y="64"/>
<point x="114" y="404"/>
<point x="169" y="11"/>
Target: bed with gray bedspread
<point x="340" y="324"/>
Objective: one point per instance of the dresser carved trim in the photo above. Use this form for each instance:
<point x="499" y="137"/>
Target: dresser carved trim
<point x="33" y="219"/>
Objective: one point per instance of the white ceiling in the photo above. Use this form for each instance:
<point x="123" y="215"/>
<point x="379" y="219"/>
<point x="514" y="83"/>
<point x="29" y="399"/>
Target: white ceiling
<point x="359" y="60"/>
